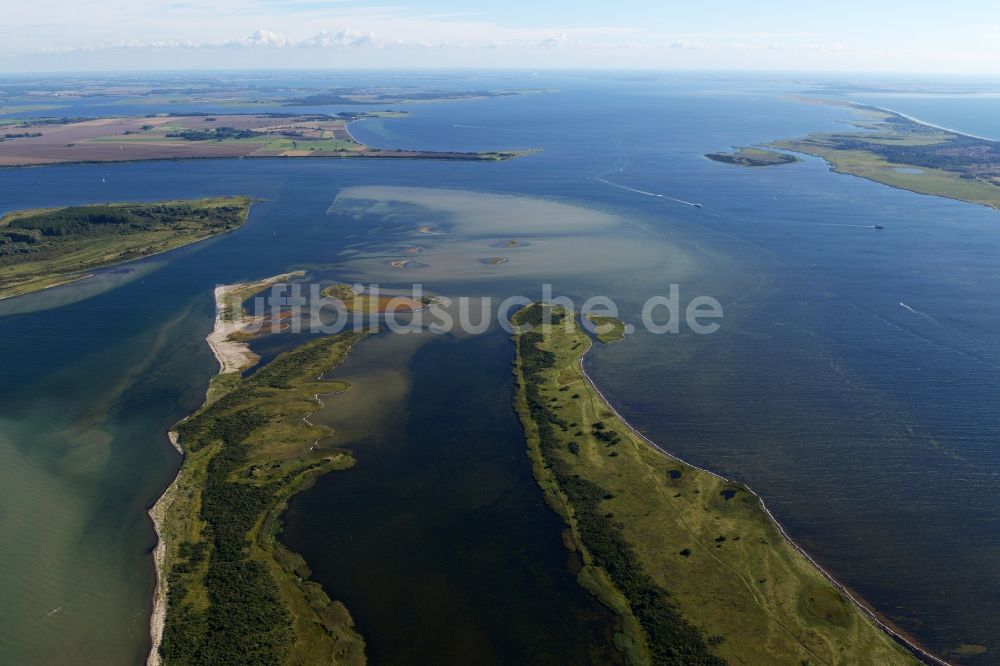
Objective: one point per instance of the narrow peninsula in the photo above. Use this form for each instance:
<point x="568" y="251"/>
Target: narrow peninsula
<point x="228" y="591"/>
<point x="175" y="136"/>
<point x="693" y="565"/>
<point x="43" y="248"/>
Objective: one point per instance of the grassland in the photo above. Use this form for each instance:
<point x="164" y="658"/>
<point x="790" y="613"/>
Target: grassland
<point x="692" y="564"/>
<point x="234" y="594"/>
<point x="900" y="152"/>
<point x="753" y="157"/>
<point x="41" y="248"/>
<point x="607" y="329"/>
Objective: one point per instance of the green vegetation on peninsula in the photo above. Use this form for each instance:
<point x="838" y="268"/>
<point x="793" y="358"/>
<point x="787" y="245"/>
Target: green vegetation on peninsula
<point x="692" y="564"/>
<point x="42" y="248"/>
<point x="233" y="593"/>
<point x="753" y="157"/>
<point x="901" y="152"/>
<point x="607" y="329"/>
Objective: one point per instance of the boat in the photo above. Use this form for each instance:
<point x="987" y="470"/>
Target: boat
<point x="879" y="227"/>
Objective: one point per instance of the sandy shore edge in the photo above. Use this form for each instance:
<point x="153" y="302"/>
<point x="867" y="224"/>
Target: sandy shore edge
<point x="232" y="357"/>
<point x="158" y="514"/>
<point x="866" y="609"/>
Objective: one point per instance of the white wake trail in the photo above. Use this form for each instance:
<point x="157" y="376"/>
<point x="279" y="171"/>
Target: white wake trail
<point x="648" y="194"/>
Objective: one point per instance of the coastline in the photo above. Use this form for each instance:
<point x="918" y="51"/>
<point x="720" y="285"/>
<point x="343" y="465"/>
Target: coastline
<point x="347" y="131"/>
<point x="157" y="514"/>
<point x="883" y="623"/>
<point x="925" y="123"/>
<point x="647" y="527"/>
<point x="836" y="149"/>
<point x="497" y="156"/>
<point x="232" y="357"/>
<point x="229" y="363"/>
<point x="80" y="278"/>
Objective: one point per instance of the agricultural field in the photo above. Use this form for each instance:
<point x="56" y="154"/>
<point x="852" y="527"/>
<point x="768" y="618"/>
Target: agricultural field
<point x="158" y="137"/>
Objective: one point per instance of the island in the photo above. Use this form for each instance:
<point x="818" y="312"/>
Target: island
<point x="172" y="136"/>
<point x="692" y="564"/>
<point x="753" y="157"/>
<point x="228" y="592"/>
<point x="365" y="302"/>
<point x="42" y="248"/>
<point x="903" y="152"/>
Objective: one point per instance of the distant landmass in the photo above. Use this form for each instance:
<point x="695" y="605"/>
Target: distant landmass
<point x="897" y="150"/>
<point x="43" y="248"/>
<point x="168" y="136"/>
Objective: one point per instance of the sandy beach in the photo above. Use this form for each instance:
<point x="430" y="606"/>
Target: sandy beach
<point x="158" y="514"/>
<point x="235" y="356"/>
<point x="232" y="357"/>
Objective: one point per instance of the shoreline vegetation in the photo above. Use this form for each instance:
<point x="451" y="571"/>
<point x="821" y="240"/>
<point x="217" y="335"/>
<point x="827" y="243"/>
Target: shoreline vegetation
<point x="44" y="141"/>
<point x="753" y="157"/>
<point x="227" y="590"/>
<point x="44" y="248"/>
<point x="902" y="152"/>
<point x="693" y="565"/>
<point x="607" y="329"/>
<point x="366" y="303"/>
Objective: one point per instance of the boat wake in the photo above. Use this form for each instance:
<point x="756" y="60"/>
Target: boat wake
<point x="49" y="614"/>
<point x="918" y="312"/>
<point x="846" y="226"/>
<point x="648" y="194"/>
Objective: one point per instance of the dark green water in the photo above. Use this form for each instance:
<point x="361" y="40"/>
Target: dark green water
<point x="869" y="427"/>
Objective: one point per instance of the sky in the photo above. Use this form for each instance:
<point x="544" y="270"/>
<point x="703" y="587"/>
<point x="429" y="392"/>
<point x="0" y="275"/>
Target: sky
<point x="846" y="36"/>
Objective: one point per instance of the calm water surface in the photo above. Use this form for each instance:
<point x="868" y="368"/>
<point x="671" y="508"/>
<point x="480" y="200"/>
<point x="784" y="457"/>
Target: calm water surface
<point x="854" y="383"/>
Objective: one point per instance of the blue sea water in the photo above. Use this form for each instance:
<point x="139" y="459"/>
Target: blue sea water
<point x="853" y="384"/>
<point x="977" y="114"/>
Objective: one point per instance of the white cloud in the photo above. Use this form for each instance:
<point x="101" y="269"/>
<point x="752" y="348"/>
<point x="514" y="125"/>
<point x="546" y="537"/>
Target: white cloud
<point x="555" y="42"/>
<point x="261" y="39"/>
<point x="313" y="33"/>
<point x="341" y="38"/>
<point x="684" y="44"/>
